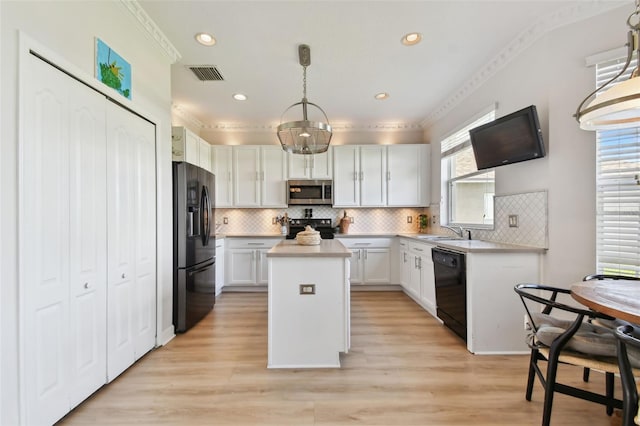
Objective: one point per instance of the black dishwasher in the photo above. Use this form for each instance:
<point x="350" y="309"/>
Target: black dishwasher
<point x="451" y="289"/>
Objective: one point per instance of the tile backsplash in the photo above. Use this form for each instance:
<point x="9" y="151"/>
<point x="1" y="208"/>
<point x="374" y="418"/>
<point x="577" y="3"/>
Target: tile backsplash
<point x="365" y="220"/>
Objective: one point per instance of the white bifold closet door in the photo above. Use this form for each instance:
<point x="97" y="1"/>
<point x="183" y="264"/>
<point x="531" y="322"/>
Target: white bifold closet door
<point x="87" y="240"/>
<point x="62" y="241"/>
<point x="132" y="238"/>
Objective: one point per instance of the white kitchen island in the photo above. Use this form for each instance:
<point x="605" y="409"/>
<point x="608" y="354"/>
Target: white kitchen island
<point x="309" y="304"/>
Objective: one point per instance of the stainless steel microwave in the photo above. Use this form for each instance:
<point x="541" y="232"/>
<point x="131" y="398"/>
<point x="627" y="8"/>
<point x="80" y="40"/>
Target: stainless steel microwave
<point x="310" y="192"/>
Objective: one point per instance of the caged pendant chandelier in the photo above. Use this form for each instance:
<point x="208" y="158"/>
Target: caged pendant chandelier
<point x="619" y="106"/>
<point x="304" y="136"/>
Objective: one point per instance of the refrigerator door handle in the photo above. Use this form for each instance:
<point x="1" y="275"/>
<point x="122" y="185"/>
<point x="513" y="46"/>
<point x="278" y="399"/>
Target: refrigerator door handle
<point x="205" y="207"/>
<point x="203" y="268"/>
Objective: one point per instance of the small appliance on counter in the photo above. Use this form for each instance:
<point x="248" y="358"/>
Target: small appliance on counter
<point x="323" y="226"/>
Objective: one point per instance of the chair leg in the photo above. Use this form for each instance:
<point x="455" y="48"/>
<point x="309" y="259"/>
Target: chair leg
<point x="585" y="374"/>
<point x="609" y="389"/>
<point x="552" y="369"/>
<point x="532" y="373"/>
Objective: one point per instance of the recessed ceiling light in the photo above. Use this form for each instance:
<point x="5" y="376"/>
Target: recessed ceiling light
<point x="205" y="39"/>
<point x="240" y="97"/>
<point x="411" y="39"/>
<point x="381" y="96"/>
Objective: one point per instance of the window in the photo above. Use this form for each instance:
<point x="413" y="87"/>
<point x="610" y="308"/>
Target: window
<point x="618" y="191"/>
<point x="467" y="192"/>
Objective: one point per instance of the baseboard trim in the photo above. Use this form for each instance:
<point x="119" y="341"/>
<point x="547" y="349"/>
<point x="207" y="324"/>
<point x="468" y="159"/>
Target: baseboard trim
<point x="166" y="336"/>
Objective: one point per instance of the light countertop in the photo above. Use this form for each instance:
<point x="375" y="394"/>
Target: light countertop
<point x="326" y="248"/>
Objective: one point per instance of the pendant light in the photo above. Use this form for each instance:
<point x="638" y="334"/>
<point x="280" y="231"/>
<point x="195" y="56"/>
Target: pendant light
<point x="304" y="136"/>
<point x="619" y="106"/>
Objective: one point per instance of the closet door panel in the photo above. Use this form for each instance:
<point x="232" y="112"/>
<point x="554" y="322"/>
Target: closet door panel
<point x="44" y="241"/>
<point x="88" y="242"/>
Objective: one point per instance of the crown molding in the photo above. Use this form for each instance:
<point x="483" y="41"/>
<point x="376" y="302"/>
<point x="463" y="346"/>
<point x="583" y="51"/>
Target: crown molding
<point x="179" y="111"/>
<point x="152" y="29"/>
<point x="520" y="43"/>
<point x="338" y="127"/>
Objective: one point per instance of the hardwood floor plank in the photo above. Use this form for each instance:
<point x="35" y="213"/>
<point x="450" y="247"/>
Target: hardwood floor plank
<point x="404" y="368"/>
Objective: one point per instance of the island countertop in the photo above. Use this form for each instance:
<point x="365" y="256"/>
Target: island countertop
<point x="326" y="248"/>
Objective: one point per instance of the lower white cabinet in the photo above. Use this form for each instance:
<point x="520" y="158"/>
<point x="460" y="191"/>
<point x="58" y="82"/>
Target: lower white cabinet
<point x="371" y="260"/>
<point x="220" y="255"/>
<point x="246" y="261"/>
<point x="416" y="273"/>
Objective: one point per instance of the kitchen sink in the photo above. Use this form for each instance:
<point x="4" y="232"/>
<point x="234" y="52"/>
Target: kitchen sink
<point x="437" y="237"/>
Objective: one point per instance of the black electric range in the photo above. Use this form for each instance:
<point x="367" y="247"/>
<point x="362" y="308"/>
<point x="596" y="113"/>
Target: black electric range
<point x="321" y="225"/>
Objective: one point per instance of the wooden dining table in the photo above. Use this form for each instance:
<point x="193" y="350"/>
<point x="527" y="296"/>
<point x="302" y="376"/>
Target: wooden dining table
<point x="617" y="298"/>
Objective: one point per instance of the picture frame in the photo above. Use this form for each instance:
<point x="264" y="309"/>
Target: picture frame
<point x="112" y="69"/>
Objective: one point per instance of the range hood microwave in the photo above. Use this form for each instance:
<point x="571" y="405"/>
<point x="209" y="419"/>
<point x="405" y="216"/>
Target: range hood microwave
<point x="309" y="192"/>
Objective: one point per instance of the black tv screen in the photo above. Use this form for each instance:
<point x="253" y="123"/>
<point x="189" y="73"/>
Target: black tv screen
<point x="510" y="139"/>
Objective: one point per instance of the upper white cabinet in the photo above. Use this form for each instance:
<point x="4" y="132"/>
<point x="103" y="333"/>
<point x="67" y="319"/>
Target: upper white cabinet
<point x="189" y="147"/>
<point x="380" y="176"/>
<point x="222" y="168"/>
<point x="259" y="176"/>
<point x="316" y="166"/>
<point x="408" y="175"/>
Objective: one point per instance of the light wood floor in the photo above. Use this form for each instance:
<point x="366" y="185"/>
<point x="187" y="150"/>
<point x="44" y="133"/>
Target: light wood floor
<point x="404" y="368"/>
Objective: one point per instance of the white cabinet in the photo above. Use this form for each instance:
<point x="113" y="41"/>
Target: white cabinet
<point x="220" y="256"/>
<point x="371" y="260"/>
<point x="222" y="161"/>
<point x="189" y="147"/>
<point x="416" y="273"/>
<point x="360" y="176"/>
<point x="71" y="149"/>
<point x="246" y="260"/>
<point x="259" y="176"/>
<point x="406" y="264"/>
<point x="316" y="166"/>
<point x="407" y="175"/>
<point x="379" y="176"/>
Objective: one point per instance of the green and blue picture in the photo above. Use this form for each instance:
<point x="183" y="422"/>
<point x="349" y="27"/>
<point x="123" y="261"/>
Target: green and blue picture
<point x="112" y="70"/>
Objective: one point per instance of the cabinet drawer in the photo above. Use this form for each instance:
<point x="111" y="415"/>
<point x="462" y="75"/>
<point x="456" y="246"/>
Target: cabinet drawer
<point x="251" y="243"/>
<point x="356" y="243"/>
<point x="421" y="248"/>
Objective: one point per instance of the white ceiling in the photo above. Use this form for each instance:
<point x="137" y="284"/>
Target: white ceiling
<point x="355" y="53"/>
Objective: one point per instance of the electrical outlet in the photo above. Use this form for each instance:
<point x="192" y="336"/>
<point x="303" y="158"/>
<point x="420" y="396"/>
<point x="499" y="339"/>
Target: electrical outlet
<point x="409" y="219"/>
<point x="434" y="219"/>
<point x="307" y="289"/>
<point x="225" y="220"/>
<point x="513" y="221"/>
<point x="273" y="220"/>
<point x="350" y="219"/>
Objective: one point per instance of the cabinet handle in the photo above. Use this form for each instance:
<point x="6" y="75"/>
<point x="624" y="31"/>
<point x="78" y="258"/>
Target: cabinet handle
<point x="258" y="176"/>
<point x="361" y="175"/>
<point x="417" y="249"/>
<point x="415" y="262"/>
<point x="419" y="263"/>
<point x="262" y="176"/>
<point x="87" y="285"/>
<point x="362" y="244"/>
<point x="124" y="275"/>
<point x="355" y="176"/>
<point x="358" y="254"/>
<point x="404" y="257"/>
<point x="365" y="254"/>
<point x="259" y="254"/>
<point x="229" y="172"/>
<point x="388" y="175"/>
<point x="255" y="244"/>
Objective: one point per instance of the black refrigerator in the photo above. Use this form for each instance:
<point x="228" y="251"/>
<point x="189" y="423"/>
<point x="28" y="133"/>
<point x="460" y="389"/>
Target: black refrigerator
<point x="194" y="246"/>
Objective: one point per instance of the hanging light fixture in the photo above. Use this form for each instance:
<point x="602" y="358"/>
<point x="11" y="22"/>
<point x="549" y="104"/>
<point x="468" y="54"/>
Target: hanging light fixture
<point x="304" y="136"/>
<point x="619" y="106"/>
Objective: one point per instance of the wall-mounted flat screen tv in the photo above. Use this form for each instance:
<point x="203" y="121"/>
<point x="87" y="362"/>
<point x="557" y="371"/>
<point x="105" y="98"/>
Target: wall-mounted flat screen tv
<point x="510" y="139"/>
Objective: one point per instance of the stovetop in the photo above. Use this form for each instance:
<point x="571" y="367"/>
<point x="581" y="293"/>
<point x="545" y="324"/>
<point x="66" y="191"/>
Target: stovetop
<point x="321" y="225"/>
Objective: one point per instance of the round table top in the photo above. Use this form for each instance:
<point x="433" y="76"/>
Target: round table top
<point x="617" y="298"/>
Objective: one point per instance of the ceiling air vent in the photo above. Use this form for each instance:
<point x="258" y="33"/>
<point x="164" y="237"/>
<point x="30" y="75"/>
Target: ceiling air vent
<point x="206" y="72"/>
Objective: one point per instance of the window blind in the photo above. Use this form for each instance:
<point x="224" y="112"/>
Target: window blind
<point x="618" y="190"/>
<point x="460" y="139"/>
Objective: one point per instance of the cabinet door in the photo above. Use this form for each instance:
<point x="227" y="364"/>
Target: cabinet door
<point x="222" y="157"/>
<point x="88" y="244"/>
<point x="246" y="176"/>
<point x="373" y="176"/>
<point x="321" y="165"/>
<point x="273" y="177"/>
<point x="356" y="266"/>
<point x="204" y="154"/>
<point x="427" y="283"/>
<point x="405" y="268"/>
<point x="44" y="241"/>
<point x="414" y="282"/>
<point x="298" y="166"/>
<point x="346" y="176"/>
<point x="192" y="148"/>
<point x="405" y="180"/>
<point x="262" y="267"/>
<point x="241" y="266"/>
<point x="220" y="265"/>
<point x="377" y="266"/>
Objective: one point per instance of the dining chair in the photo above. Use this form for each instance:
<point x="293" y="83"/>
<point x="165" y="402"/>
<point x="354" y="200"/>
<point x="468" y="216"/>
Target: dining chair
<point x="557" y="340"/>
<point x="628" y="341"/>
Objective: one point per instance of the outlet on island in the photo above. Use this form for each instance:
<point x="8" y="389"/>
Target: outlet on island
<point x="225" y="220"/>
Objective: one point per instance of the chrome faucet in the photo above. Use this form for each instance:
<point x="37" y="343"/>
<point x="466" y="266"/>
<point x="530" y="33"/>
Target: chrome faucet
<point x="456" y="229"/>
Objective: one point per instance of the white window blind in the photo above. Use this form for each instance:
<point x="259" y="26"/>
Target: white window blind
<point x="618" y="190"/>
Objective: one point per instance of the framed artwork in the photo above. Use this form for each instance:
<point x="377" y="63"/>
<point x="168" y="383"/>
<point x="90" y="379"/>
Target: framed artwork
<point x="112" y="70"/>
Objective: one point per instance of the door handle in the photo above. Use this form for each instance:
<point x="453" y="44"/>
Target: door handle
<point x="388" y="175"/>
<point x="87" y="285"/>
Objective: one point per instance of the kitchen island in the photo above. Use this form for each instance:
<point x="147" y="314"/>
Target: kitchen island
<point x="309" y="304"/>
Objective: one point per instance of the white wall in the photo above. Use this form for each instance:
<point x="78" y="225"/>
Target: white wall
<point x="552" y="75"/>
<point x="68" y="29"/>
